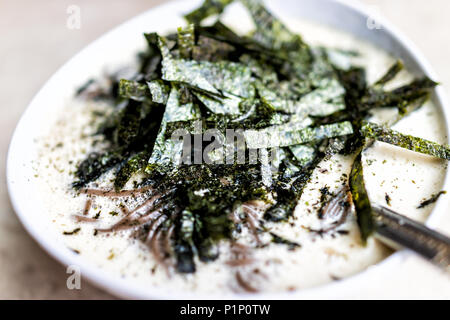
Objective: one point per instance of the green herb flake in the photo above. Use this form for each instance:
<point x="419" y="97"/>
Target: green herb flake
<point x="434" y="198"/>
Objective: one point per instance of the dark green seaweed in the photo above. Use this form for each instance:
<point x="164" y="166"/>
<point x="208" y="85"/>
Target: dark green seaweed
<point x="361" y="199"/>
<point x="391" y="74"/>
<point x="419" y="145"/>
<point x="208" y="8"/>
<point x="295" y="105"/>
<point x="279" y="240"/>
<point x="434" y="198"/>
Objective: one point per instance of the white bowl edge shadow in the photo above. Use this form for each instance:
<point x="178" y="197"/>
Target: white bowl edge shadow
<point x="347" y="15"/>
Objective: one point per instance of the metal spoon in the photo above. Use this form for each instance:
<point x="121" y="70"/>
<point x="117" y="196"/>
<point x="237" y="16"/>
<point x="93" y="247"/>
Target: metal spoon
<point x="398" y="232"/>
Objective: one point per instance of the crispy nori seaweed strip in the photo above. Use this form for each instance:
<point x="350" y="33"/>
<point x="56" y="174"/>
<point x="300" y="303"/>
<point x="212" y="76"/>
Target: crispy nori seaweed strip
<point x="151" y="59"/>
<point x="271" y="32"/>
<point x="272" y="137"/>
<point x="361" y="199"/>
<point x="186" y="41"/>
<point x="222" y="33"/>
<point x="207" y="9"/>
<point x="383" y="134"/>
<point x="212" y="78"/>
<point x="400" y="97"/>
<point x="166" y="151"/>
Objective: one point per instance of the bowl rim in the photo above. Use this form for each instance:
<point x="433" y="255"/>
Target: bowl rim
<point x="126" y="289"/>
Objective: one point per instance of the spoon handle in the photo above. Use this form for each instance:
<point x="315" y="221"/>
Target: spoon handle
<point x="398" y="231"/>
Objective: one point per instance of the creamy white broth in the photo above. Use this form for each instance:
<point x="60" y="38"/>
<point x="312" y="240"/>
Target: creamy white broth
<point x="406" y="177"/>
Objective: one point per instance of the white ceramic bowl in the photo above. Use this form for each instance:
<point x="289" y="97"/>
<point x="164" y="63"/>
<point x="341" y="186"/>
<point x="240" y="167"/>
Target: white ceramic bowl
<point x="119" y="46"/>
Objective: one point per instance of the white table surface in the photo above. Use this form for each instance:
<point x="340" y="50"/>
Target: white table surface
<point x="35" y="42"/>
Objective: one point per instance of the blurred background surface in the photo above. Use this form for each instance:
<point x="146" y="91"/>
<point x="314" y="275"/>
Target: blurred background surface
<point x="35" y="42"/>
